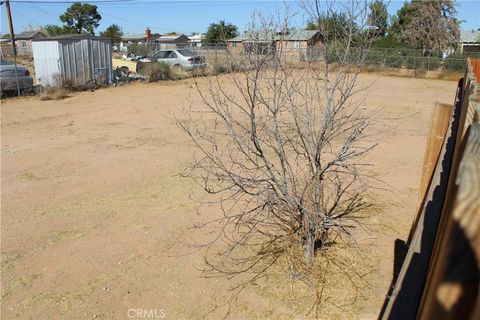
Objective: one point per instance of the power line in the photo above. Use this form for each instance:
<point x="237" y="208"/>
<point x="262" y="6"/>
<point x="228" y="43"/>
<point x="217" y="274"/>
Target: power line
<point x="68" y="2"/>
<point x="141" y="24"/>
<point x="157" y="2"/>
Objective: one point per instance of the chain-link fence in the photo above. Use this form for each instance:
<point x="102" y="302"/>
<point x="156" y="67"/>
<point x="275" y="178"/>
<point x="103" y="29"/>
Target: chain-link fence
<point x="415" y="62"/>
<point x="391" y="61"/>
<point x="16" y="76"/>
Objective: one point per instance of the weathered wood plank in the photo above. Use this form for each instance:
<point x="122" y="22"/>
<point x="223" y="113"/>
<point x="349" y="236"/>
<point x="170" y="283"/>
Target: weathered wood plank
<point x="441" y="116"/>
<point x="452" y="289"/>
<point x="406" y="294"/>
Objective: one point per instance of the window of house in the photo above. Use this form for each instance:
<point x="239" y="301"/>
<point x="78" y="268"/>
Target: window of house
<point x="296" y="45"/>
<point x="24" y="44"/>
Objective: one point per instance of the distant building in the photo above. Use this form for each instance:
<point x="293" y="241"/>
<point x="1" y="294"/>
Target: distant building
<point x="196" y="40"/>
<point x="23" y="42"/>
<point x="470" y="41"/>
<point x="155" y="41"/>
<point x="296" y="44"/>
<point x="172" y="41"/>
<point x="140" y="38"/>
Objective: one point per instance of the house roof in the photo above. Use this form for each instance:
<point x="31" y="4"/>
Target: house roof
<point x="138" y="36"/>
<point x="197" y="37"/>
<point x="168" y="38"/>
<point x="27" y="35"/>
<point x="470" y="36"/>
<point x="70" y="37"/>
<point x="263" y="35"/>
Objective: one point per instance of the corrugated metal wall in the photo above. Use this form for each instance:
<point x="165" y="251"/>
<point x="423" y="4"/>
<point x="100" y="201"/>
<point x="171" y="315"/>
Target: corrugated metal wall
<point x="80" y="61"/>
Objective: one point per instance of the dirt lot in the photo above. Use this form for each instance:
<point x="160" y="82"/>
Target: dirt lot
<point x="92" y="201"/>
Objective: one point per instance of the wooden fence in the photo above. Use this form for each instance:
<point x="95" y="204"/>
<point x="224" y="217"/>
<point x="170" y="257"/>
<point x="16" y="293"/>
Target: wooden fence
<point x="437" y="268"/>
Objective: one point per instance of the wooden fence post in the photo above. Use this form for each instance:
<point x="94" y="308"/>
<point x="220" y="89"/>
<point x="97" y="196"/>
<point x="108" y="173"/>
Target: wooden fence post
<point x="441" y="115"/>
<point x="453" y="284"/>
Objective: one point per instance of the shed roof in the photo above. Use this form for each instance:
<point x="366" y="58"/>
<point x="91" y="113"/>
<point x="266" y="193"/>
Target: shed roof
<point x="267" y="35"/>
<point x="70" y="37"/>
<point x="470" y="36"/>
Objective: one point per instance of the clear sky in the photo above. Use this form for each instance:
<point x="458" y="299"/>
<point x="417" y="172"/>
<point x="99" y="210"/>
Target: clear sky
<point x="181" y="16"/>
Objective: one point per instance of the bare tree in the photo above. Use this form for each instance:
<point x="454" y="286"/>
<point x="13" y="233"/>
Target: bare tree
<point x="282" y="152"/>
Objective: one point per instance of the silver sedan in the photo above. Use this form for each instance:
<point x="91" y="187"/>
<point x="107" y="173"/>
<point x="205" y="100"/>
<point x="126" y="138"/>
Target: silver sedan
<point x="183" y="58"/>
<point x="8" y="79"/>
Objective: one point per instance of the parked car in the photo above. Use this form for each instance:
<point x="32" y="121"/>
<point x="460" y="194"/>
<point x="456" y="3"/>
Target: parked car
<point x="183" y="58"/>
<point x="8" y="79"/>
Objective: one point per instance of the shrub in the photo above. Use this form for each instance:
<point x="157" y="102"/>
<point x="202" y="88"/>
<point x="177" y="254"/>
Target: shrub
<point x="434" y="63"/>
<point x="389" y="42"/>
<point x="455" y="62"/>
<point x="53" y="93"/>
<point x="156" y="71"/>
<point x="58" y="90"/>
<point x="220" y="68"/>
<point x="178" y="73"/>
<point x="394" y="60"/>
<point x="137" y="49"/>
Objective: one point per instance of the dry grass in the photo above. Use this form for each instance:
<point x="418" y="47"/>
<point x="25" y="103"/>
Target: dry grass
<point x="53" y="93"/>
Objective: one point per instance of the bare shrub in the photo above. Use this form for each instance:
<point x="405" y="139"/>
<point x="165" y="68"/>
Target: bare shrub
<point x="156" y="71"/>
<point x="282" y="156"/>
<point x="53" y="93"/>
<point x="58" y="90"/>
<point x="177" y="73"/>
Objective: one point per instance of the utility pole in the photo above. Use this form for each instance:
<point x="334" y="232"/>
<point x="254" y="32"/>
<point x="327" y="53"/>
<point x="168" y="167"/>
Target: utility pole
<point x="12" y="36"/>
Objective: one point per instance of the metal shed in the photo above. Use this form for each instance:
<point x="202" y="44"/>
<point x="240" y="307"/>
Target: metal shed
<point x="78" y="60"/>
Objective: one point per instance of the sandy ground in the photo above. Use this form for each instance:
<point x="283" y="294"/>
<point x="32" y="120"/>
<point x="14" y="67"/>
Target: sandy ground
<point x="92" y="201"/>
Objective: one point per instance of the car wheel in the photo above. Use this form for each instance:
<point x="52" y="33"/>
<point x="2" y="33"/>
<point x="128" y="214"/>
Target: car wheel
<point x="177" y="66"/>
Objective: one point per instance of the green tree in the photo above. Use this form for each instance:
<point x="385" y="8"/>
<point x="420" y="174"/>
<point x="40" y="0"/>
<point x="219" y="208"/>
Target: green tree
<point x="400" y="20"/>
<point x="311" y="26"/>
<point x="433" y="25"/>
<point x="334" y="26"/>
<point x="219" y="32"/>
<point x="378" y="17"/>
<point x="114" y="33"/>
<point x="53" y="30"/>
<point x="82" y="18"/>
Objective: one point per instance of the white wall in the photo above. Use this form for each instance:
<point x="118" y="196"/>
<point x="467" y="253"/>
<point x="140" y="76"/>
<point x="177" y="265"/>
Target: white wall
<point x="47" y="62"/>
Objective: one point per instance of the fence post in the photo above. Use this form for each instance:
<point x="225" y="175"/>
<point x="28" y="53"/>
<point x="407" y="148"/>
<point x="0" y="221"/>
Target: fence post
<point x="441" y="116"/>
<point x="414" y="65"/>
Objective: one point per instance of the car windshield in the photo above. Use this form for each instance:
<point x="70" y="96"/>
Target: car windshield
<point x="186" y="53"/>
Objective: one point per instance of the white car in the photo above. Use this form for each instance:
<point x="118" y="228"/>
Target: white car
<point x="183" y="58"/>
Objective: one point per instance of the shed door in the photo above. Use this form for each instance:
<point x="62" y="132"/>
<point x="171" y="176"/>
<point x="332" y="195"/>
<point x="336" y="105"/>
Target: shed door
<point x="76" y="62"/>
<point x="47" y="62"/>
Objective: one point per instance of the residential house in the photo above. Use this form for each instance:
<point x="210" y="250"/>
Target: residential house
<point x="129" y="39"/>
<point x="172" y="41"/>
<point x="155" y="41"/>
<point x="196" y="40"/>
<point x="23" y="42"/>
<point x="470" y="41"/>
<point x="295" y="44"/>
